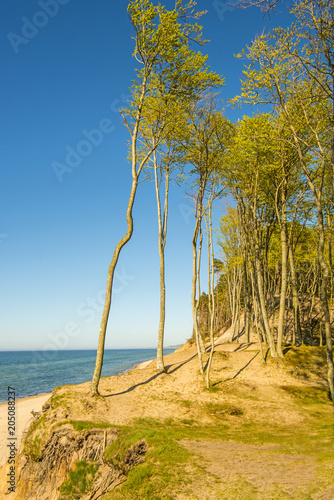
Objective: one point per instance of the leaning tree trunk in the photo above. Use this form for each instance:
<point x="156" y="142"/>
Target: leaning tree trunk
<point x="248" y="303"/>
<point x="110" y="278"/>
<point x="123" y="241"/>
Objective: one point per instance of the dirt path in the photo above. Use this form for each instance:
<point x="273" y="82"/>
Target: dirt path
<point x="258" y="466"/>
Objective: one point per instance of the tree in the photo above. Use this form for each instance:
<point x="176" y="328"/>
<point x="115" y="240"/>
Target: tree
<point x="206" y="137"/>
<point x="248" y="174"/>
<point x="215" y="191"/>
<point x="190" y="76"/>
<point x="275" y="76"/>
<point x="167" y="66"/>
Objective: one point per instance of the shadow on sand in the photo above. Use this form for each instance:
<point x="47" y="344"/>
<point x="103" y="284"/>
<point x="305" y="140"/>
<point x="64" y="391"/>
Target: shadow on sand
<point x="168" y="370"/>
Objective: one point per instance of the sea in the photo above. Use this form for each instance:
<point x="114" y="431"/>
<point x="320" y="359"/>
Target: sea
<point x="37" y="372"/>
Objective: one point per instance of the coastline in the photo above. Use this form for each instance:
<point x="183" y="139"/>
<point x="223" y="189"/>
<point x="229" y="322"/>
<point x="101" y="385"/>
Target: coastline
<point x="23" y="416"/>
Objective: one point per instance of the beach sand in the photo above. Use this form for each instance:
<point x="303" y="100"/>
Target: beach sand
<point x="23" y="419"/>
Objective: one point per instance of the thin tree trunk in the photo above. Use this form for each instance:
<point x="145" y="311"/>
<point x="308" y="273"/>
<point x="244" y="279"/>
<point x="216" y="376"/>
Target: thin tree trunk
<point x="284" y="247"/>
<point x="256" y="313"/>
<point x="317" y="192"/>
<point x="247" y="301"/>
<point x="211" y="291"/>
<point x="295" y="299"/>
<point x="330" y="258"/>
<point x="195" y="277"/>
<point x="162" y="228"/>
<point x="107" y="301"/>
<point x="110" y="277"/>
<point x="262" y="301"/>
<point x="324" y="300"/>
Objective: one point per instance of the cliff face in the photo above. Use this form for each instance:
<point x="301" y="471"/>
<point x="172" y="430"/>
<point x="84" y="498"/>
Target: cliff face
<point x="73" y="463"/>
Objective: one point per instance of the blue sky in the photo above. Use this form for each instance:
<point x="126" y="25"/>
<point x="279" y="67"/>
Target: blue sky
<point x="67" y="67"/>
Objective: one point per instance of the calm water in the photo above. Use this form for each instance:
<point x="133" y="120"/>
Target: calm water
<point x="37" y="372"/>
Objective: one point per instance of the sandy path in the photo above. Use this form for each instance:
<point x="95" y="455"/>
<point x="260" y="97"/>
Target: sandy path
<point x="23" y="417"/>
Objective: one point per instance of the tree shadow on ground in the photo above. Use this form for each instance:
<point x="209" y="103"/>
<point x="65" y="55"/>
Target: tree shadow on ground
<point x="168" y="371"/>
<point x="238" y="373"/>
<point x="243" y="347"/>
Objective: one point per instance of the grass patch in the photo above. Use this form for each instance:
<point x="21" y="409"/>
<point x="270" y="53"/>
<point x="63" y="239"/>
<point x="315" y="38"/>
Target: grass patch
<point x="187" y="422"/>
<point x="307" y="361"/>
<point x="79" y="482"/>
<point x="60" y="400"/>
<point x="170" y="469"/>
<point x="308" y="395"/>
<point x="214" y="388"/>
<point x="163" y="470"/>
<point x="223" y="409"/>
<point x="221" y="355"/>
<point x="186" y="403"/>
<point x="81" y="425"/>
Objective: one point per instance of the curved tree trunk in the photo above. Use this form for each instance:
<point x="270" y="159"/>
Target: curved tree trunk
<point x="110" y="278"/>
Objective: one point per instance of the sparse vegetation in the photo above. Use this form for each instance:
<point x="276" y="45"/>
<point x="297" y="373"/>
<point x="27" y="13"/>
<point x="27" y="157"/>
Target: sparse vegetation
<point x="80" y="425"/>
<point x="32" y="443"/>
<point x="79" y="482"/>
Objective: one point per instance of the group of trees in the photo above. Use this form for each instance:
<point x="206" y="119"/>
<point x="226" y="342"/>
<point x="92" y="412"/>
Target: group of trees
<point x="277" y="167"/>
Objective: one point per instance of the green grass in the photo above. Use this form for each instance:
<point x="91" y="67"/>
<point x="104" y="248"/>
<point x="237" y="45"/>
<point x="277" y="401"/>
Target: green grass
<point x="32" y="442"/>
<point x="170" y="468"/>
<point x="57" y="400"/>
<point x="223" y="409"/>
<point x="186" y="403"/>
<point x="308" y="395"/>
<point x="306" y="361"/>
<point x="163" y="469"/>
<point x="79" y="482"/>
<point x="81" y="425"/>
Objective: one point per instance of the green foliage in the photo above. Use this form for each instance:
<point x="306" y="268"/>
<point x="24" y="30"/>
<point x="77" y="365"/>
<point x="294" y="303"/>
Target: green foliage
<point x="229" y="239"/>
<point x="79" y="482"/>
<point x="172" y="76"/>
